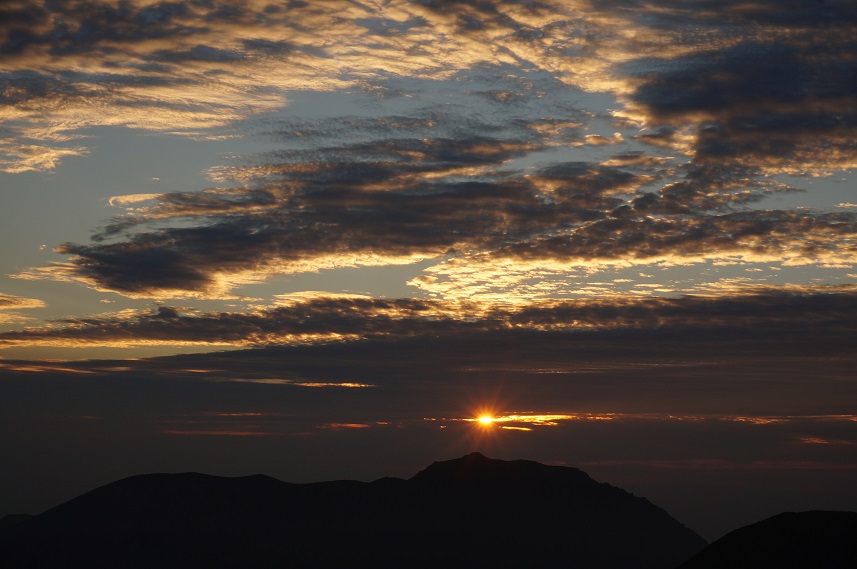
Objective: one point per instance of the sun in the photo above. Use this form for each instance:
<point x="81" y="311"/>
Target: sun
<point x="485" y="420"/>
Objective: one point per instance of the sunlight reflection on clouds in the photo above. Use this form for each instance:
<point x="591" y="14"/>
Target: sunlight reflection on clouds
<point x="523" y="151"/>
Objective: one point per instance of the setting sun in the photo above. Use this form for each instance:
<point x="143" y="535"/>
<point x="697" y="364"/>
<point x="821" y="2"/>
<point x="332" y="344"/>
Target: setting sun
<point x="485" y="420"/>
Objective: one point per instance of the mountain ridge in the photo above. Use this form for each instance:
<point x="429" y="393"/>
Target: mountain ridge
<point x="817" y="538"/>
<point x="467" y="512"/>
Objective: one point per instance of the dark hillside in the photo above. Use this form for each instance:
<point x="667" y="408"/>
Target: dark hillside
<point x="791" y="540"/>
<point x="468" y="512"/>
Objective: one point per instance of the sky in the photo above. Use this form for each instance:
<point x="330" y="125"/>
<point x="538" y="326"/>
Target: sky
<point x="318" y="240"/>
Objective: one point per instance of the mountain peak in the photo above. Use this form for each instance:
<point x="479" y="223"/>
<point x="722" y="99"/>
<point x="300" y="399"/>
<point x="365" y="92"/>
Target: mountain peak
<point x="477" y="469"/>
<point x="472" y="511"/>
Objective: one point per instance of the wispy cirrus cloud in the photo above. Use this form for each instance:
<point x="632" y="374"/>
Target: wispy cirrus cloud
<point x="32" y="157"/>
<point x="190" y="67"/>
<point x="12" y="303"/>
<point x="731" y="74"/>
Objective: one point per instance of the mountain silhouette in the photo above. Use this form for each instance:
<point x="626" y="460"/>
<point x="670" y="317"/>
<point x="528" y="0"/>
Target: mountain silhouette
<point x="791" y="540"/>
<point x="10" y="520"/>
<point x="468" y="512"/>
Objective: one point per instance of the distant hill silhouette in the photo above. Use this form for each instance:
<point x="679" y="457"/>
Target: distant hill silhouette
<point x="468" y="512"/>
<point x="10" y="520"/>
<point x="791" y="540"/>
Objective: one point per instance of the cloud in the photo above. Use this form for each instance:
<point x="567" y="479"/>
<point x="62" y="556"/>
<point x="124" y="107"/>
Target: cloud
<point x="34" y="157"/>
<point x="766" y="85"/>
<point x="771" y="235"/>
<point x="742" y="99"/>
<point x="495" y="162"/>
<point x="11" y="302"/>
<point x="318" y="318"/>
<point x="140" y="63"/>
<point x="767" y="363"/>
<point x="400" y="200"/>
<point x="375" y="201"/>
<point x="749" y="67"/>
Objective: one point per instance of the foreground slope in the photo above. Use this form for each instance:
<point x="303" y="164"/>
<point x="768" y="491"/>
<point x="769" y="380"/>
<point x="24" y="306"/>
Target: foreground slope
<point x="468" y="512"/>
<point x="791" y="540"/>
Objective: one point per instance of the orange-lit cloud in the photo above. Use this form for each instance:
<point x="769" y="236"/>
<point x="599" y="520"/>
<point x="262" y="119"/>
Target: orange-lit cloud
<point x="223" y="424"/>
<point x="529" y="421"/>
<point x="25" y="158"/>
<point x="344" y="426"/>
<point x="296" y="383"/>
<point x="540" y="420"/>
<point x="507" y="191"/>
<point x="501" y="237"/>
<point x="141" y="62"/>
<point x="749" y="82"/>
<point x="823" y="441"/>
<point x="42" y="367"/>
<point x="10" y="302"/>
<point x="338" y="318"/>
